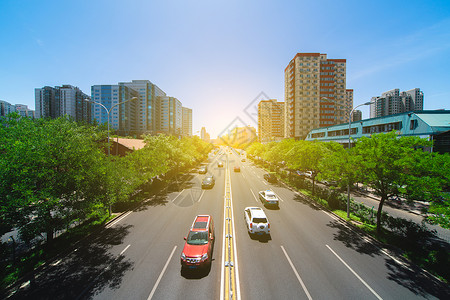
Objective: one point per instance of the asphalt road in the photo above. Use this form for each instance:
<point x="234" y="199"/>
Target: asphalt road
<point x="310" y="253"/>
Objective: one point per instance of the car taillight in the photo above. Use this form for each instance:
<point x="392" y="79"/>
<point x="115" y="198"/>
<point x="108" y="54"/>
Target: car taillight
<point x="251" y="225"/>
<point x="268" y="225"/>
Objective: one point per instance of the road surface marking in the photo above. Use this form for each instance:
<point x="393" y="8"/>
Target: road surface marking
<point x="256" y="199"/>
<point x="354" y="273"/>
<point x="118" y="220"/>
<point x="123" y="251"/>
<point x="199" y="199"/>
<point x="229" y="276"/>
<point x="296" y="274"/>
<point x="330" y="215"/>
<point x="243" y="175"/>
<point x="161" y="275"/>
<point x="277" y="196"/>
<point x="56" y="263"/>
<point x="173" y="201"/>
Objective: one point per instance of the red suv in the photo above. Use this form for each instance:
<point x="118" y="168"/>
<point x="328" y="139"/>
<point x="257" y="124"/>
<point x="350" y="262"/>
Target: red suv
<point x="197" y="251"/>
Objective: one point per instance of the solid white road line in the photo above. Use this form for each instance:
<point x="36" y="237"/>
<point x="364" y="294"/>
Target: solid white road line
<point x="161" y="275"/>
<point x="296" y="274"/>
<point x="123" y="251"/>
<point x="118" y="220"/>
<point x="354" y="273"/>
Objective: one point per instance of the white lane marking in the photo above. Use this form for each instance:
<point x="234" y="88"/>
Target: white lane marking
<point x="236" y="265"/>
<point x="118" y="220"/>
<point x="263" y="181"/>
<point x="296" y="274"/>
<point x="222" y="271"/>
<point x="200" y="199"/>
<point x="256" y="199"/>
<point x="25" y="284"/>
<point x="354" y="273"/>
<point x="123" y="251"/>
<point x="177" y="196"/>
<point x="161" y="275"/>
<point x="243" y="175"/>
<point x="394" y="259"/>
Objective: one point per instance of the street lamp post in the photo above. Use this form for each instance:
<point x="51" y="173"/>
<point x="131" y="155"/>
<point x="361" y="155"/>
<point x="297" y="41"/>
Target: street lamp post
<point x="108" y="111"/>
<point x="349" y="146"/>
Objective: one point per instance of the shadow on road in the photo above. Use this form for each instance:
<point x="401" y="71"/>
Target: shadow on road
<point x="304" y="199"/>
<point x="406" y="274"/>
<point x="195" y="273"/>
<point x="84" y="272"/>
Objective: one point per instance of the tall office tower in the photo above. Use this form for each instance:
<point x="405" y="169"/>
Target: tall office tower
<point x="146" y="113"/>
<point x="187" y="122"/>
<point x="170" y="114"/>
<point x="394" y="102"/>
<point x="203" y="133"/>
<point x="6" y="108"/>
<point x="65" y="100"/>
<point x="123" y="116"/>
<point x="315" y="94"/>
<point x="270" y="120"/>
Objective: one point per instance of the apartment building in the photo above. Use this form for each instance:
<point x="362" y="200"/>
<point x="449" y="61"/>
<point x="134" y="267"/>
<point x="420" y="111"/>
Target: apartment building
<point x="123" y="117"/>
<point x="315" y="94"/>
<point x="187" y="122"/>
<point x="270" y="120"/>
<point x="394" y="102"/>
<point x="146" y="112"/>
<point x="169" y="115"/>
<point x="65" y="100"/>
<point x="6" y="108"/>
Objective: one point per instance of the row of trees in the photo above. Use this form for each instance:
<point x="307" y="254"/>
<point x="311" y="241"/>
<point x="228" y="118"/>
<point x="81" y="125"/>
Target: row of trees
<point x="389" y="164"/>
<point x="55" y="172"/>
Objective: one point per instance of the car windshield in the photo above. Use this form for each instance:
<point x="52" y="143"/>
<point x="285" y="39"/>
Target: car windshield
<point x="197" y="238"/>
<point x="260" y="220"/>
<point x="270" y="196"/>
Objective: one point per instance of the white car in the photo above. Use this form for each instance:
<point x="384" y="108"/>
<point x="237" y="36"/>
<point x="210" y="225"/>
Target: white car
<point x="268" y="197"/>
<point x="256" y="220"/>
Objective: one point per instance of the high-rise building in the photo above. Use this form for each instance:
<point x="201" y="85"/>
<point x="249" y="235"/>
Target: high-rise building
<point x="24" y="111"/>
<point x="270" y="120"/>
<point x="65" y="100"/>
<point x="6" y="108"/>
<point x="315" y="94"/>
<point x="241" y="136"/>
<point x="146" y="114"/>
<point x="123" y="116"/>
<point x="357" y="115"/>
<point x="394" y="102"/>
<point x="169" y="115"/>
<point x="187" y="122"/>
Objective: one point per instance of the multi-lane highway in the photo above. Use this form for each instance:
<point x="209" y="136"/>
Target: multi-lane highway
<point x="310" y="253"/>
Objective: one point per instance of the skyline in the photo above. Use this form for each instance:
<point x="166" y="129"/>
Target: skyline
<point x="217" y="58"/>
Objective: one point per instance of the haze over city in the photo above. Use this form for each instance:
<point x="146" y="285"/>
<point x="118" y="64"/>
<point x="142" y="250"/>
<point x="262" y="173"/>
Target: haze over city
<point x="217" y="57"/>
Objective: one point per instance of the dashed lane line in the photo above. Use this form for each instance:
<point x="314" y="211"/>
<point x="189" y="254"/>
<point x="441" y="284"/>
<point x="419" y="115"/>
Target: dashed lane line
<point x="161" y="275"/>
<point x="296" y="274"/>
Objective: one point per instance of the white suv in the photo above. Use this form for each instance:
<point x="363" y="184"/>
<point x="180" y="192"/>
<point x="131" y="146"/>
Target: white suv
<point x="256" y="220"/>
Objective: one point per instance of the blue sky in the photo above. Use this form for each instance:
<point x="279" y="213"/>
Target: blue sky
<point x="216" y="57"/>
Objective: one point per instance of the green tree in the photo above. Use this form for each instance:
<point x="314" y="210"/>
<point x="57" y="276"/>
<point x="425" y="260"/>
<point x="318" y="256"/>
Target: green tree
<point x="391" y="166"/>
<point x="51" y="172"/>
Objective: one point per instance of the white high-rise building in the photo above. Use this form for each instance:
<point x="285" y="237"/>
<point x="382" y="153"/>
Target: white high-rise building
<point x="394" y="102"/>
<point x="169" y="115"/>
<point x="187" y="122"/>
<point x="6" y="108"/>
<point x="146" y="108"/>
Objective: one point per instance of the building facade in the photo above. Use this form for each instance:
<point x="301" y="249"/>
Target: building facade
<point x="270" y="120"/>
<point x="394" y="102"/>
<point x="123" y="117"/>
<point x="315" y="94"/>
<point x="6" y="108"/>
<point x="169" y="115"/>
<point x="65" y="100"/>
<point x="146" y="107"/>
<point x="430" y="124"/>
<point x="187" y="122"/>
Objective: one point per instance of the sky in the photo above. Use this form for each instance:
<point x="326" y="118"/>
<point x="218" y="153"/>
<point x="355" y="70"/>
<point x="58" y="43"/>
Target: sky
<point x="221" y="57"/>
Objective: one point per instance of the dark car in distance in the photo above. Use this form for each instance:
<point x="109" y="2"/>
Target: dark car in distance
<point x="237" y="169"/>
<point x="208" y="182"/>
<point x="220" y="164"/>
<point x="270" y="177"/>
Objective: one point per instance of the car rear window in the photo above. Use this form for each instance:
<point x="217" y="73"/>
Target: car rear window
<point x="260" y="220"/>
<point x="200" y="224"/>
